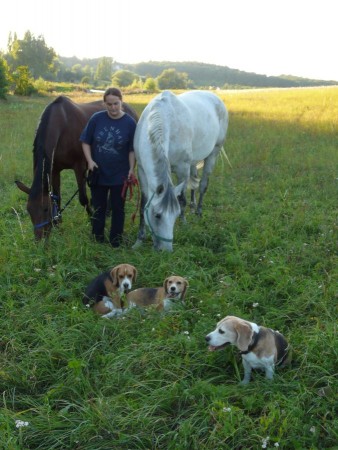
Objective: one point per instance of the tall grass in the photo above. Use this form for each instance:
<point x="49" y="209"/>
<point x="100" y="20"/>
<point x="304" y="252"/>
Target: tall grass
<point x="264" y="249"/>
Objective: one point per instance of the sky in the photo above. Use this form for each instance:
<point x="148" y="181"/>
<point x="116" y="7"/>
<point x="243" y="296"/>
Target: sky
<point x="291" y="37"/>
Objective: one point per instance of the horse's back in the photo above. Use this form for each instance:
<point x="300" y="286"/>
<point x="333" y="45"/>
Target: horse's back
<point x="206" y="109"/>
<point x="189" y="124"/>
<point x="60" y="128"/>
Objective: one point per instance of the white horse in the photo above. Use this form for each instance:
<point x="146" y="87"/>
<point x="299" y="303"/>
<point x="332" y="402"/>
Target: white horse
<point x="174" y="133"/>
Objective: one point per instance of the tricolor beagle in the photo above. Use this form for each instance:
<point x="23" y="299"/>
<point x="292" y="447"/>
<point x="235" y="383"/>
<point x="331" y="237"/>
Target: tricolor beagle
<point x="261" y="348"/>
<point x="163" y="298"/>
<point x="105" y="293"/>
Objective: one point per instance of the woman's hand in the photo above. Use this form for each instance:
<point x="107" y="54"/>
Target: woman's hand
<point x="92" y="165"/>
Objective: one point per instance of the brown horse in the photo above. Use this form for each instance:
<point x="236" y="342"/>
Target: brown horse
<point x="57" y="147"/>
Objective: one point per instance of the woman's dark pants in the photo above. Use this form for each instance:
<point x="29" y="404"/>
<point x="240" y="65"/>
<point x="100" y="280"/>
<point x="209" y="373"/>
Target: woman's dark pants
<point x="99" y="204"/>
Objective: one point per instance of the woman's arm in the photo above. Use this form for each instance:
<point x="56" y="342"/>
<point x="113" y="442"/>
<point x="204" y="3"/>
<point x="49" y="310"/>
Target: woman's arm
<point x="88" y="155"/>
<point x="132" y="163"/>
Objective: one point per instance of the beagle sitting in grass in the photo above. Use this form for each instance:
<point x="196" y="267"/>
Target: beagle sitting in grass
<point x="261" y="348"/>
<point x="106" y="292"/>
<point x="163" y="298"/>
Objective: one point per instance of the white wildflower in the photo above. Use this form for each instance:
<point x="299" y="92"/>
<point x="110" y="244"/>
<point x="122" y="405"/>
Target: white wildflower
<point x="186" y="332"/>
<point x="225" y="409"/>
<point x="276" y="444"/>
<point x="21" y="423"/>
<point x="313" y="429"/>
<point x="254" y="305"/>
<point x="218" y="315"/>
<point x="36" y="269"/>
<point x="265" y="442"/>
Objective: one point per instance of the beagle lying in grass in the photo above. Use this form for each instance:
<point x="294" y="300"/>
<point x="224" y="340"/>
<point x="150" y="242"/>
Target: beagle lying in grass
<point x="261" y="348"/>
<point x="163" y="298"/>
<point x="106" y="292"/>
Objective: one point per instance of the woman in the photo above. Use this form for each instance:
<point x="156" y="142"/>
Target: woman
<point x="107" y="143"/>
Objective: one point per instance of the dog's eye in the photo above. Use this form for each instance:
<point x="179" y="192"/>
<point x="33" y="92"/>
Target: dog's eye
<point x="158" y="216"/>
<point x="179" y="283"/>
<point x="221" y="331"/>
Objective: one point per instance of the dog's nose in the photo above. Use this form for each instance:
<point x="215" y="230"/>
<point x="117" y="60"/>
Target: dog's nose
<point x="126" y="285"/>
<point x="173" y="288"/>
<point x="207" y="338"/>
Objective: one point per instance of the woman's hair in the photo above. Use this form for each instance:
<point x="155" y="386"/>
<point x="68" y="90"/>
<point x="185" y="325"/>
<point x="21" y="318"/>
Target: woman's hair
<point x="112" y="91"/>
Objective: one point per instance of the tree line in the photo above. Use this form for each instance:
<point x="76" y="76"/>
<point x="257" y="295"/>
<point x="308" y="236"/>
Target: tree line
<point x="29" y="65"/>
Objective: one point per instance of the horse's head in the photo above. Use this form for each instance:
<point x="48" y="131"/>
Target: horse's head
<point x="42" y="209"/>
<point x="160" y="214"/>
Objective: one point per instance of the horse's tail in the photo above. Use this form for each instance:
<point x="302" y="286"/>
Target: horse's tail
<point x="224" y="155"/>
<point x="194" y="179"/>
<point x="193" y="183"/>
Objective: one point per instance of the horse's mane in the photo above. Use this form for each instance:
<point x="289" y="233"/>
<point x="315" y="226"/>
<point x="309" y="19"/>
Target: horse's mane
<point x="156" y="135"/>
<point x="157" y="138"/>
<point x="42" y="161"/>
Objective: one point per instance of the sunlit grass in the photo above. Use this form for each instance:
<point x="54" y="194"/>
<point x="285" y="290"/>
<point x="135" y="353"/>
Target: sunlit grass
<point x="264" y="249"/>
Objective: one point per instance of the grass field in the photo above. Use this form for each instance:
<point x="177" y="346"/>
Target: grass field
<point x="265" y="250"/>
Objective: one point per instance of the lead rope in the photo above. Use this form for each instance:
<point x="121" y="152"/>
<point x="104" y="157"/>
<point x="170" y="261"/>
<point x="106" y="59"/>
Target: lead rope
<point x="129" y="185"/>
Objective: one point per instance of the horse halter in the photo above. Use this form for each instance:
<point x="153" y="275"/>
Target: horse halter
<point x="56" y="212"/>
<point x="55" y="216"/>
<point x="160" y="238"/>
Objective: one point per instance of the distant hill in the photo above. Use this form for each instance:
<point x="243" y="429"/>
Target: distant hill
<point x="204" y="75"/>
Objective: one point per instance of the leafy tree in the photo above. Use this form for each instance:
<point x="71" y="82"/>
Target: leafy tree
<point x="4" y="78"/>
<point x="23" y="81"/>
<point x="85" y="80"/>
<point x="33" y="53"/>
<point x="171" y="79"/>
<point x="123" y="78"/>
<point x="104" y="69"/>
<point x="150" y="84"/>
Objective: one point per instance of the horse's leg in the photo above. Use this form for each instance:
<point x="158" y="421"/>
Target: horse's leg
<point x="193" y="178"/>
<point x="209" y="164"/>
<point x="183" y="203"/>
<point x="183" y="174"/>
<point x="80" y="174"/>
<point x="141" y="235"/>
<point x="56" y="183"/>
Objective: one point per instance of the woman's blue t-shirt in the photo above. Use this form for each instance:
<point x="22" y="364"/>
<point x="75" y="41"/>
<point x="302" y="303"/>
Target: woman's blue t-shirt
<point x="111" y="140"/>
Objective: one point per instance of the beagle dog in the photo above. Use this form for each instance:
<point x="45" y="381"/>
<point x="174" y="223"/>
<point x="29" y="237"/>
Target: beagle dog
<point x="261" y="348"/>
<point x="163" y="298"/>
<point x="105" y="293"/>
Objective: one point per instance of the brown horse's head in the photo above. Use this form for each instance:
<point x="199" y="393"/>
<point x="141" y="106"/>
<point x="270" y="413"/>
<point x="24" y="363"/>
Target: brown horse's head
<point x="43" y="210"/>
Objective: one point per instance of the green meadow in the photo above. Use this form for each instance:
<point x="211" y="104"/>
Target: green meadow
<point x="265" y="249"/>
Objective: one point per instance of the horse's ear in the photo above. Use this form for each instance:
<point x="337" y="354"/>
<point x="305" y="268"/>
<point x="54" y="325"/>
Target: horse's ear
<point x="178" y="189"/>
<point x="159" y="189"/>
<point x="23" y="187"/>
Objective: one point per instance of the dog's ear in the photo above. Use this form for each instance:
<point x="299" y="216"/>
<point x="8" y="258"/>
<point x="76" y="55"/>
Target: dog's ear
<point x="114" y="274"/>
<point x="135" y="273"/>
<point x="186" y="285"/>
<point x="244" y="335"/>
<point x="165" y="284"/>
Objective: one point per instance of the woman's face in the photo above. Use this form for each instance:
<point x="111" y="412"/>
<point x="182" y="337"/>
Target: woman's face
<point x="114" y="106"/>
